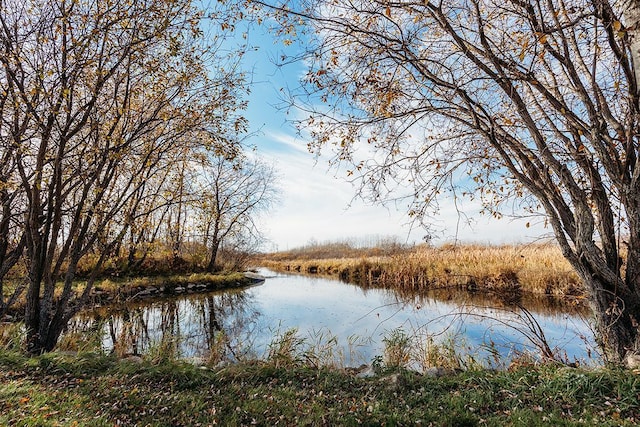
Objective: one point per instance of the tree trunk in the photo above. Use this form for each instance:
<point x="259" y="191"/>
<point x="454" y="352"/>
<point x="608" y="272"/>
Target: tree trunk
<point x="45" y="342"/>
<point x="32" y="312"/>
<point x="215" y="246"/>
<point x="627" y="339"/>
<point x="632" y="23"/>
<point x="616" y="325"/>
<point x="613" y="298"/>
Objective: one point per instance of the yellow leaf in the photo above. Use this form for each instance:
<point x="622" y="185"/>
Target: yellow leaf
<point x="522" y="55"/>
<point x="616" y="26"/>
<point x="388" y="11"/>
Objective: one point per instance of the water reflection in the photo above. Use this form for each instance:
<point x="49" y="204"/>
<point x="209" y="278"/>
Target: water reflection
<point x="343" y="324"/>
<point x="193" y="326"/>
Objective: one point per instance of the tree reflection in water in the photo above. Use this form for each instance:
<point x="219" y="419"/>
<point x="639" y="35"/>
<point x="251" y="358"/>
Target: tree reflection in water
<point x="340" y="321"/>
<point x="216" y="326"/>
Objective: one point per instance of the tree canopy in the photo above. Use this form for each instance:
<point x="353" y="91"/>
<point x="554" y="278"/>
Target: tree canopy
<point x="535" y="100"/>
<point x="99" y="102"/>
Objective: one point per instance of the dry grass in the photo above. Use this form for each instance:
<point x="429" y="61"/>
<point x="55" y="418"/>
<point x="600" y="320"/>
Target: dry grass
<point x="109" y="291"/>
<point x="342" y="250"/>
<point x="539" y="269"/>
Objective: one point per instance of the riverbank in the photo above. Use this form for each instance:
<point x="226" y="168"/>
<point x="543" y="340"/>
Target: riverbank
<point x="536" y="269"/>
<point x="111" y="291"/>
<point x="92" y="389"/>
<point x="134" y="289"/>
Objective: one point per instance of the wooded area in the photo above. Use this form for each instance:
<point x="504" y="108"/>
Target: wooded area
<point x="112" y="117"/>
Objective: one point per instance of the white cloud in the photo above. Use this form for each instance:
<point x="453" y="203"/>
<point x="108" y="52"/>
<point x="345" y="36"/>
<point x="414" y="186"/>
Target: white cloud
<point x="317" y="205"/>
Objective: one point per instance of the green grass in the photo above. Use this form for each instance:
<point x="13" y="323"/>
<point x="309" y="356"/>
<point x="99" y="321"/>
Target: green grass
<point x="91" y="389"/>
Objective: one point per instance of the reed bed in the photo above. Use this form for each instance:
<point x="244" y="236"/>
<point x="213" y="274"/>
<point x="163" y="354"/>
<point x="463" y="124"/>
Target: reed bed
<point x="538" y="269"/>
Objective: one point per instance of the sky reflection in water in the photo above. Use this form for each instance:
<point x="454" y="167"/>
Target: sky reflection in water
<point x="350" y="320"/>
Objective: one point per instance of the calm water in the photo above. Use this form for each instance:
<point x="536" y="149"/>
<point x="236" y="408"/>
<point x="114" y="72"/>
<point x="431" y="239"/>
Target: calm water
<point x="342" y="323"/>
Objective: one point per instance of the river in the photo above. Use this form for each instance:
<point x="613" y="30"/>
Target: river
<point x="336" y="324"/>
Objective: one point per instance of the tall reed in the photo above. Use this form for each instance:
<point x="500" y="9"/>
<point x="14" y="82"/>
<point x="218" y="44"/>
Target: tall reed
<point x="536" y="268"/>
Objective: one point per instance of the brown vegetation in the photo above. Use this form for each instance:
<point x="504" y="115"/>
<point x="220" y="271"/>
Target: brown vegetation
<point x="157" y="272"/>
<point x="538" y="269"/>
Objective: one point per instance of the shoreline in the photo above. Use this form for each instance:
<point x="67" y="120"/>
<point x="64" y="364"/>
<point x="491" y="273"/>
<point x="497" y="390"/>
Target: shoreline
<point x="107" y="291"/>
<point x="509" y="269"/>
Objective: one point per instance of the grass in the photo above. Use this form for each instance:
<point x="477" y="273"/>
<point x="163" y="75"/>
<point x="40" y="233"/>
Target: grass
<point x="159" y="271"/>
<point x="117" y="290"/>
<point x="128" y="287"/>
<point x="295" y="385"/>
<point x="344" y="249"/>
<point x="91" y="389"/>
<point x="538" y="269"/>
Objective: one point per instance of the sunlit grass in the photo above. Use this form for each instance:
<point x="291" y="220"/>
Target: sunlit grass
<point x="120" y="277"/>
<point x="537" y="269"/>
<point x="115" y="290"/>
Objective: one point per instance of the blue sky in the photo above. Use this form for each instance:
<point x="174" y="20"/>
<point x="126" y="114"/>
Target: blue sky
<point x="316" y="201"/>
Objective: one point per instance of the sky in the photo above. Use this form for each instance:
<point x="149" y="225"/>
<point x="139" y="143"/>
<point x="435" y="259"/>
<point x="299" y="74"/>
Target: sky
<point x="317" y="203"/>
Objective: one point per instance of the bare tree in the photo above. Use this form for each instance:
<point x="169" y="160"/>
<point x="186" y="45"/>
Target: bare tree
<point x="232" y="194"/>
<point x="533" y="100"/>
<point x="96" y="96"/>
